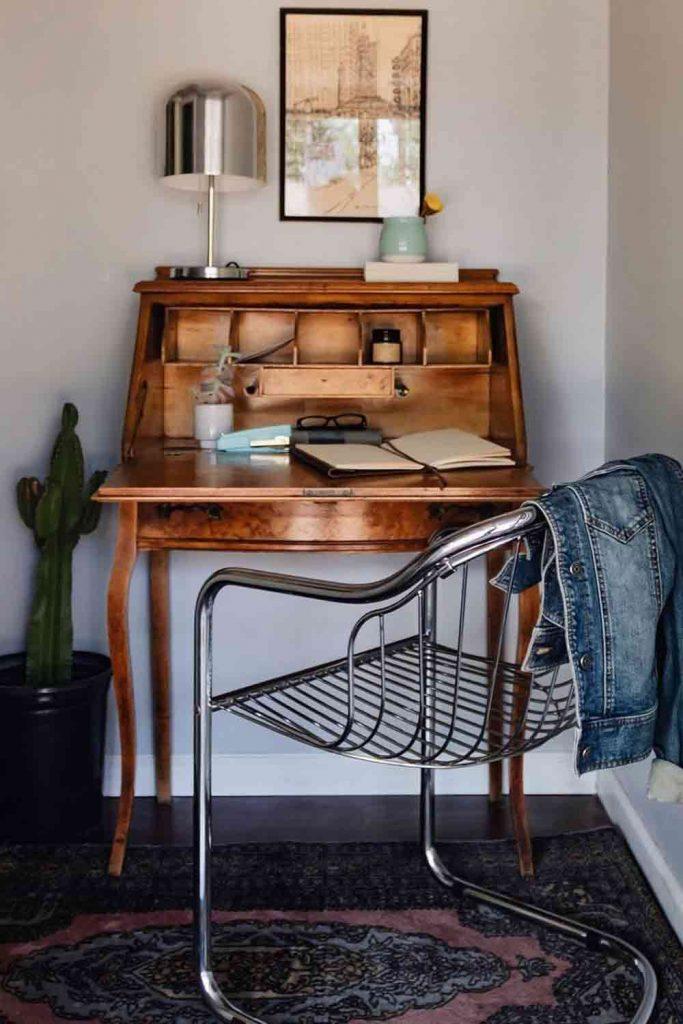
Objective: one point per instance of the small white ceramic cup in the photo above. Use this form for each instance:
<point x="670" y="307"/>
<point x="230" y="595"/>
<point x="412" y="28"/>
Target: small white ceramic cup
<point x="210" y="421"/>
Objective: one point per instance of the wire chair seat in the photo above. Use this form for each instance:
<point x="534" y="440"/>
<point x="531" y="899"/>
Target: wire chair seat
<point x="472" y="713"/>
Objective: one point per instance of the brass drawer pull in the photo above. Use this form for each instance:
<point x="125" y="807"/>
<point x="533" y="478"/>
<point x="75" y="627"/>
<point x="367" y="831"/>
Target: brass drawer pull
<point x="212" y="510"/>
<point x="451" y="511"/>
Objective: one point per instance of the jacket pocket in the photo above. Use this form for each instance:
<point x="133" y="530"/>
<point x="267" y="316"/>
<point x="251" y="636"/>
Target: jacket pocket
<point x="617" y="505"/>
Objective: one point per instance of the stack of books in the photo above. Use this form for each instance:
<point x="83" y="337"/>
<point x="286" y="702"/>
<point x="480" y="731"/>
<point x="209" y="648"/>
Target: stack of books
<point x="377" y="271"/>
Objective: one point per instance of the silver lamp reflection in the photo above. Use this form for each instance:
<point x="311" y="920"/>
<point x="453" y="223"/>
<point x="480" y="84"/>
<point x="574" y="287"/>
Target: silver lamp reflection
<point x="215" y="141"/>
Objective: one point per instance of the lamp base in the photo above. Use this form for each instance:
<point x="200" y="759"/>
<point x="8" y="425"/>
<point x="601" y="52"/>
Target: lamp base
<point x="231" y="272"/>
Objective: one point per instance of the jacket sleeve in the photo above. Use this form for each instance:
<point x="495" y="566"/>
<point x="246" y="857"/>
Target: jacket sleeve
<point x="536" y="563"/>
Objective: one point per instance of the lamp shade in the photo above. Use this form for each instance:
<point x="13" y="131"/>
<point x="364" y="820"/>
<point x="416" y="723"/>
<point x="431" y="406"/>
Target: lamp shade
<point x="216" y="131"/>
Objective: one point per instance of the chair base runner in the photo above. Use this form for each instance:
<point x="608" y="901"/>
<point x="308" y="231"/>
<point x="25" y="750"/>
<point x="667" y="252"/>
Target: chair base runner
<point x="592" y="938"/>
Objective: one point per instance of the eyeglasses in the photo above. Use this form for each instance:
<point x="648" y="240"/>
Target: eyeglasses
<point x="344" y="421"/>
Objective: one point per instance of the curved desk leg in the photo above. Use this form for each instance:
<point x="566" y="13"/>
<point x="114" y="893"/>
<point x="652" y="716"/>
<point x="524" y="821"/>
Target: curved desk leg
<point x="161" y="670"/>
<point x="495" y="605"/>
<point x="528" y="614"/>
<point x="117" y="626"/>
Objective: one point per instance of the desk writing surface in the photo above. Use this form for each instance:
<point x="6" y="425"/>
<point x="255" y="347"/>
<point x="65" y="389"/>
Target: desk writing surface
<point x="156" y="474"/>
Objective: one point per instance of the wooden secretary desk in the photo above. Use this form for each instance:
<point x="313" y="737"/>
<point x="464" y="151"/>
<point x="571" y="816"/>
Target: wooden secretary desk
<point x="459" y="368"/>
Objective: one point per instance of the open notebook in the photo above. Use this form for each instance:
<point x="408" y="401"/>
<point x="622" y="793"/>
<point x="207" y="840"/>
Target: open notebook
<point x="437" y="449"/>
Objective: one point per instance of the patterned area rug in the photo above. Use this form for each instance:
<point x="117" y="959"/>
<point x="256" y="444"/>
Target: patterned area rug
<point x="340" y="934"/>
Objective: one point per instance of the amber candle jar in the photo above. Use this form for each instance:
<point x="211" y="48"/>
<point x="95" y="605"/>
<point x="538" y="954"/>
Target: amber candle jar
<point x="386" y="345"/>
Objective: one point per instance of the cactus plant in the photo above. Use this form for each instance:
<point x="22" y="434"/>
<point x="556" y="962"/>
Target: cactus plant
<point x="58" y="512"/>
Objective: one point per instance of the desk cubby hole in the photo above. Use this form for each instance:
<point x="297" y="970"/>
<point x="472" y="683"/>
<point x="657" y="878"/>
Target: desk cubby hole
<point x="328" y="338"/>
<point x="193" y="335"/>
<point x="456" y="337"/>
<point x="256" y="329"/>
<point x="406" y="322"/>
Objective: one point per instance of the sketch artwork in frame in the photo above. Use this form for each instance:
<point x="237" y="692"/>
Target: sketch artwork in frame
<point x="352" y="113"/>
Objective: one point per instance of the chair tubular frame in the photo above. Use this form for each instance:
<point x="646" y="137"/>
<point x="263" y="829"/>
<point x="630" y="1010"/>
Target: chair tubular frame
<point x="337" y="725"/>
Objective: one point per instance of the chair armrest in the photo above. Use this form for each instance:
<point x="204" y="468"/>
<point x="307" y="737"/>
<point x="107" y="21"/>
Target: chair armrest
<point x="302" y="586"/>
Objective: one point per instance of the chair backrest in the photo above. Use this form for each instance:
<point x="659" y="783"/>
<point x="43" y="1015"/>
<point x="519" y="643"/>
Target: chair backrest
<point x="450" y="703"/>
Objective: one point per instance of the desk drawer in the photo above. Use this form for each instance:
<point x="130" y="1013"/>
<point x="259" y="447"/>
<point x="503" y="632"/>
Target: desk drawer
<point x="345" y="525"/>
<point x="327" y="381"/>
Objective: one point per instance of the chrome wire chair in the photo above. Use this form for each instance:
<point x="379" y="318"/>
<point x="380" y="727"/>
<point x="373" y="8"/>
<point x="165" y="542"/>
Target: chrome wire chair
<point x="414" y="701"/>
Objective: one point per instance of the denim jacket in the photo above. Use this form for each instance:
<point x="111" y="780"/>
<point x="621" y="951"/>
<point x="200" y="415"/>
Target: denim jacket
<point x="610" y="564"/>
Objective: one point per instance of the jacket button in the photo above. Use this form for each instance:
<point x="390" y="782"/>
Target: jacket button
<point x="576" y="569"/>
<point x="585" y="752"/>
<point x="586" y="661"/>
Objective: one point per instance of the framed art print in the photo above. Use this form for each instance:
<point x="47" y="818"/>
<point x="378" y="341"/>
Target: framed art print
<point x="352" y="113"/>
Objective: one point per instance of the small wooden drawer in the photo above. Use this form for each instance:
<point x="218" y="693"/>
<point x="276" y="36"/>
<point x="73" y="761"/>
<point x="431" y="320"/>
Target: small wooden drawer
<point x="306" y="525"/>
<point x="327" y="381"/>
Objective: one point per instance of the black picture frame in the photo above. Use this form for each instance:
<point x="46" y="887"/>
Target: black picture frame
<point x="422" y="15"/>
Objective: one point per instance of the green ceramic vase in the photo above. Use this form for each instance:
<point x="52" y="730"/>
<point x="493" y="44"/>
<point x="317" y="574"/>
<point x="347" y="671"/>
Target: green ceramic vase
<point x="403" y="240"/>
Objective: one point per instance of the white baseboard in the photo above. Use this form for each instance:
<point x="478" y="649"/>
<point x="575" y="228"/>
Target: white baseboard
<point x="667" y="885"/>
<point x="321" y="775"/>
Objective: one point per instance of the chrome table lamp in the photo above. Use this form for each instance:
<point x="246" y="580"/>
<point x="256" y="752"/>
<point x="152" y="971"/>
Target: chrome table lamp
<point x="215" y="140"/>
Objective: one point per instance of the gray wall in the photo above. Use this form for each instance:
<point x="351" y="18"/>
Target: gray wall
<point x="645" y="328"/>
<point x="517" y="146"/>
<point x="645" y="261"/>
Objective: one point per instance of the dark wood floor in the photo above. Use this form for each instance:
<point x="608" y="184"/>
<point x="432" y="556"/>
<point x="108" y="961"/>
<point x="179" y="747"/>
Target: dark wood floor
<point x="341" y="819"/>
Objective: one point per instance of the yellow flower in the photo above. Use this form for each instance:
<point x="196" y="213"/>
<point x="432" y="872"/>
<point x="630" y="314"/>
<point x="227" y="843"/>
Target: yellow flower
<point x="431" y="204"/>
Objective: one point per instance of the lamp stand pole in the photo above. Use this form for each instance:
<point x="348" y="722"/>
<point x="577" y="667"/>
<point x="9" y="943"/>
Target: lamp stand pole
<point x="211" y="227"/>
<point x="211" y="272"/>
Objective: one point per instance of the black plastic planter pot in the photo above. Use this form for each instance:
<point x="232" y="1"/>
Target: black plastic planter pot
<point x="52" y="751"/>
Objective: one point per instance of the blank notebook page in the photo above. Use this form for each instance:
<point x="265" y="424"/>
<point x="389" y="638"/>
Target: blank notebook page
<point x="451" y="447"/>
